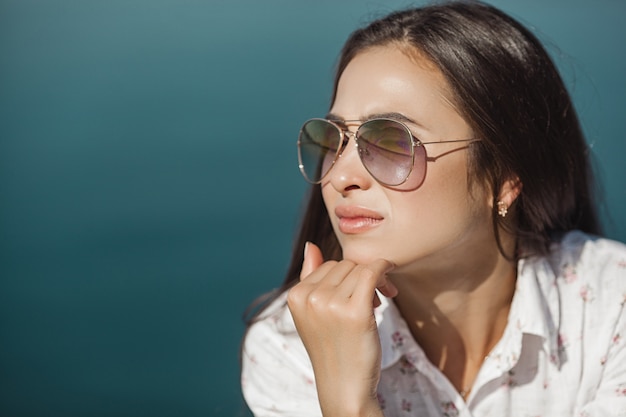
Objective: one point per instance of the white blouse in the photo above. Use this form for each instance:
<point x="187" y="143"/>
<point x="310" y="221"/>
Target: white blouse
<point x="562" y="354"/>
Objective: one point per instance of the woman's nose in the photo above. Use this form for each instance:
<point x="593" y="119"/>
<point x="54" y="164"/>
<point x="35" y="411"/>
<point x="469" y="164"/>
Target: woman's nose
<point x="348" y="172"/>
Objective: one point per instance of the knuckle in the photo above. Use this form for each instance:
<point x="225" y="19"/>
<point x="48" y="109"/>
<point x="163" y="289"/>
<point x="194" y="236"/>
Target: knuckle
<point x="347" y="264"/>
<point x="367" y="272"/>
<point x="335" y="307"/>
<point x="352" y="316"/>
<point x="315" y="300"/>
<point x="295" y="295"/>
<point x="321" y="302"/>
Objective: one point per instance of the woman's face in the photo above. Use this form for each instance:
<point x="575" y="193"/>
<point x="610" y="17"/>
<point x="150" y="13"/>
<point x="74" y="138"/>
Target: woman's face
<point x="420" y="228"/>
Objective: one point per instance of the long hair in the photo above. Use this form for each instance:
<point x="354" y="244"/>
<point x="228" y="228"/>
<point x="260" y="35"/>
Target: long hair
<point x="508" y="89"/>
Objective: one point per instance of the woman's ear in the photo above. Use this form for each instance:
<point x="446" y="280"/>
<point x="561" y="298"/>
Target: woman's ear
<point x="509" y="192"/>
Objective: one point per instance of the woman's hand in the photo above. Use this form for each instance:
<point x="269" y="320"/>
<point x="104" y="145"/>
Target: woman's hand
<point x="333" y="309"/>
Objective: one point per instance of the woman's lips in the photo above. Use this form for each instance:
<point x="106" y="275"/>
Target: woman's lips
<point x="354" y="220"/>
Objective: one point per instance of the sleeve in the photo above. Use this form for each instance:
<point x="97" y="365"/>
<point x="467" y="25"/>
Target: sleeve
<point x="277" y="378"/>
<point x="610" y="396"/>
<point x="609" y="399"/>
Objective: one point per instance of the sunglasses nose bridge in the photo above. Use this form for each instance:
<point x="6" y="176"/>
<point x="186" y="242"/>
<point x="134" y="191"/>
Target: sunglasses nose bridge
<point x="345" y="138"/>
<point x="348" y="133"/>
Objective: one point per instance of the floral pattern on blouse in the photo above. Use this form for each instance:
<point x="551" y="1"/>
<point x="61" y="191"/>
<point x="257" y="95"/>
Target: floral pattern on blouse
<point x="562" y="354"/>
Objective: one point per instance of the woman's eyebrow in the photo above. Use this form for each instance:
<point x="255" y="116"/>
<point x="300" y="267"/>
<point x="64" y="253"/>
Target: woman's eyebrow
<point x="389" y="115"/>
<point x="394" y="116"/>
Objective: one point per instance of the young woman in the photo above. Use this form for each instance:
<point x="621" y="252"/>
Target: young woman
<point x="448" y="263"/>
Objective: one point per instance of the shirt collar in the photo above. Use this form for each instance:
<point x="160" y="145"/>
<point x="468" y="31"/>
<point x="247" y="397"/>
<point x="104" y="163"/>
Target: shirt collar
<point x="536" y="305"/>
<point x="395" y="338"/>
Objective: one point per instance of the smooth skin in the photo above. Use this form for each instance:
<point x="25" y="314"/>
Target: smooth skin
<point x="430" y="247"/>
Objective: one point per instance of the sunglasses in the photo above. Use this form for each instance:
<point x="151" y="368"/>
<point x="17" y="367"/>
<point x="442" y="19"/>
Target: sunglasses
<point x="387" y="149"/>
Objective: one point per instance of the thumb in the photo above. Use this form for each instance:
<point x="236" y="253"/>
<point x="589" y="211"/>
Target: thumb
<point x="313" y="258"/>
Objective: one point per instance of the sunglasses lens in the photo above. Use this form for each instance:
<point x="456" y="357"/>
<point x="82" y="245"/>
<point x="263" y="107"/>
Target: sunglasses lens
<point x="385" y="148"/>
<point x="317" y="148"/>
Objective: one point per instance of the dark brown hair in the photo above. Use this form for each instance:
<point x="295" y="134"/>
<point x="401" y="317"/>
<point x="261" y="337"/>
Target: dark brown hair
<point x="510" y="92"/>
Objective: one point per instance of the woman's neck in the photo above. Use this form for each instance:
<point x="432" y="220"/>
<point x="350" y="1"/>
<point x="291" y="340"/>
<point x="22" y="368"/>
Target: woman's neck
<point x="458" y="314"/>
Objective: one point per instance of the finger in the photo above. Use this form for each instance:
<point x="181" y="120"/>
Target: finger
<point x="333" y="274"/>
<point x="377" y="301"/>
<point x="373" y="276"/>
<point x="313" y="258"/>
<point x="387" y="288"/>
<point x="363" y="279"/>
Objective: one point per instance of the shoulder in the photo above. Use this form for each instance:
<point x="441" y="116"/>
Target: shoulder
<point x="277" y="377"/>
<point x="580" y="261"/>
<point x="273" y="334"/>
<point x="585" y="245"/>
<point x="581" y="284"/>
<point x="590" y="261"/>
<point x="584" y="283"/>
<point x="591" y="282"/>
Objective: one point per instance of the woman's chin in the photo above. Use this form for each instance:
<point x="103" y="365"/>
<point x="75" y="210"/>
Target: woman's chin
<point x="364" y="257"/>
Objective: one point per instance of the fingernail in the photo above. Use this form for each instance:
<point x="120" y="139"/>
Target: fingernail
<point x="306" y="248"/>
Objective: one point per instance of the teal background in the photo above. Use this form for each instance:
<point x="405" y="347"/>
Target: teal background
<point x="149" y="188"/>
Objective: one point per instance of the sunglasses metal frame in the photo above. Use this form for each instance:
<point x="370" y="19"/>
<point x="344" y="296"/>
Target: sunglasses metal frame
<point x="344" y="138"/>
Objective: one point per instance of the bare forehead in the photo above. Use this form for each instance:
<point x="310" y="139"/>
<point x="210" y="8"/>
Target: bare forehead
<point x="392" y="56"/>
<point x="399" y="69"/>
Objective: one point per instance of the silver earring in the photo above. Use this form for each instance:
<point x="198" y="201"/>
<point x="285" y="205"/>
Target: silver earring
<point x="502" y="209"/>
